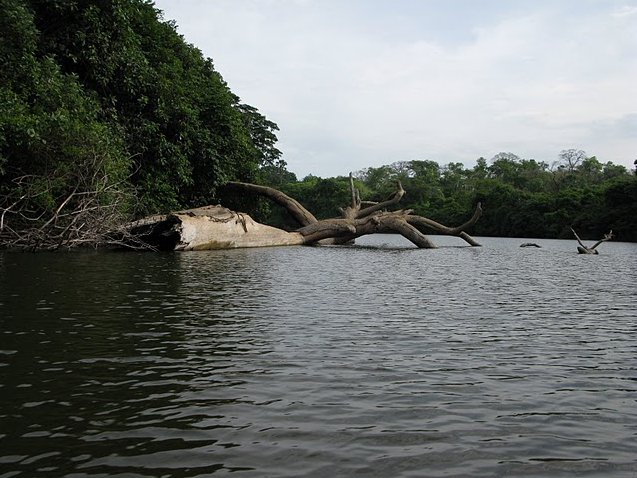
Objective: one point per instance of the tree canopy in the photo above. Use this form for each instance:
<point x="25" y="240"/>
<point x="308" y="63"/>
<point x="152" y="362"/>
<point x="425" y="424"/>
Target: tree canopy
<point x="110" y="90"/>
<point x="520" y="197"/>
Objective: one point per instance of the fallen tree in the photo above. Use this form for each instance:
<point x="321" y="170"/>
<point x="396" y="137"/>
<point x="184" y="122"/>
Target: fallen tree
<point x="209" y="227"/>
<point x="583" y="249"/>
<point x="215" y="227"/>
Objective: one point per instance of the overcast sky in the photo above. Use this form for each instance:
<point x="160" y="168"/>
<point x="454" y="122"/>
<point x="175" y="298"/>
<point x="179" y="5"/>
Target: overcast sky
<point x="359" y="83"/>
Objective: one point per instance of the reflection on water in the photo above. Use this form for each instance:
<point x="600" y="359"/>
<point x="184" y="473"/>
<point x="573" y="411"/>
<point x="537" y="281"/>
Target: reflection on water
<point x="380" y="361"/>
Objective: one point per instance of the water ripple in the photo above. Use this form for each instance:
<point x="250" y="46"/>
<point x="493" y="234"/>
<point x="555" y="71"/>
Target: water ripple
<point x="372" y="361"/>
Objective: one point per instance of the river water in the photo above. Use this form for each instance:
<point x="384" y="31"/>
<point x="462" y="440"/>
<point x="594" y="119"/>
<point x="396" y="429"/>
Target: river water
<point x="378" y="360"/>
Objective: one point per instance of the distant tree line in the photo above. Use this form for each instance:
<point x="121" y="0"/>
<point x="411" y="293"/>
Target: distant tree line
<point x="520" y="197"/>
<point x="107" y="114"/>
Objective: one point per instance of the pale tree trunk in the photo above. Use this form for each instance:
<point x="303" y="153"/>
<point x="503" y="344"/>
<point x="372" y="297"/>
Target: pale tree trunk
<point x="215" y="227"/>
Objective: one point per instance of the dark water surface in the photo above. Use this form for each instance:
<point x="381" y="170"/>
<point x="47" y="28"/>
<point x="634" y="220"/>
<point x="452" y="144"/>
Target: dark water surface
<point x="377" y="361"/>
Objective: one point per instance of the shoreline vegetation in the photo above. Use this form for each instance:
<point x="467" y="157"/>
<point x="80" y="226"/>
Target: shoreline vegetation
<point x="107" y="115"/>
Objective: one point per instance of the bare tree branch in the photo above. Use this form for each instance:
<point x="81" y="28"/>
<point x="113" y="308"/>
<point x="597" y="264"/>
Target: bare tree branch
<point x="296" y="210"/>
<point x="356" y="222"/>
<point x="392" y="201"/>
<point x="584" y="249"/>
<point x="38" y="213"/>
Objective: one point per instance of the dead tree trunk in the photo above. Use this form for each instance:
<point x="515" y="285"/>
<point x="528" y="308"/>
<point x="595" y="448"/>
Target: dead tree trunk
<point x="583" y="249"/>
<point x="360" y="218"/>
<point x="215" y="227"/>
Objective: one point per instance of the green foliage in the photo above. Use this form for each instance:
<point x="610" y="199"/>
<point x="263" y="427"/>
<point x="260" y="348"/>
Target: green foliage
<point x="54" y="145"/>
<point x="110" y="85"/>
<point x="620" y="205"/>
<point x="183" y="127"/>
<point x="275" y="175"/>
<point x="520" y="197"/>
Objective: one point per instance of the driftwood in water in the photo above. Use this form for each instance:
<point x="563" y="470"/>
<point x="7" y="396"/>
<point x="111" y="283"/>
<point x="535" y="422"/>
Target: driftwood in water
<point x="360" y="218"/>
<point x="529" y="244"/>
<point x="583" y="249"/>
<point x="205" y="228"/>
<point x="215" y="227"/>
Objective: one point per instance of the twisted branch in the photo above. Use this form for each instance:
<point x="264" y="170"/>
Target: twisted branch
<point x="87" y="212"/>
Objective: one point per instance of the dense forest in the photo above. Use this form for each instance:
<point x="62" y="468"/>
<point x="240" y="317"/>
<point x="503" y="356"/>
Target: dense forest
<point x="107" y="114"/>
<point x="520" y="197"/>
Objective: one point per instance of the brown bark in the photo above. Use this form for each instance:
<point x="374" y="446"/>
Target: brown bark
<point x="401" y="225"/>
<point x="392" y="201"/>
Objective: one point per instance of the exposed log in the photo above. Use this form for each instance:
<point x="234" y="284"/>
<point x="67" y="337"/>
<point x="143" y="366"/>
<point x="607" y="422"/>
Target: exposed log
<point x="354" y="223"/>
<point x="349" y="229"/>
<point x="327" y="229"/>
<point x="210" y="227"/>
<point x="215" y="227"/>
<point x="583" y="249"/>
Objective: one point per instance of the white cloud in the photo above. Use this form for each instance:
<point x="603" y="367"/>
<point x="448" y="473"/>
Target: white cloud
<point x="350" y="89"/>
<point x="625" y="11"/>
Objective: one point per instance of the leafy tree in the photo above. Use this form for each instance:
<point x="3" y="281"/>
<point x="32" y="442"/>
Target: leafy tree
<point x="520" y="197"/>
<point x="504" y="166"/>
<point x="481" y="169"/>
<point x="620" y="207"/>
<point x="381" y="181"/>
<point x="263" y="134"/>
<point x="424" y="187"/>
<point x="611" y="171"/>
<point x="185" y="130"/>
